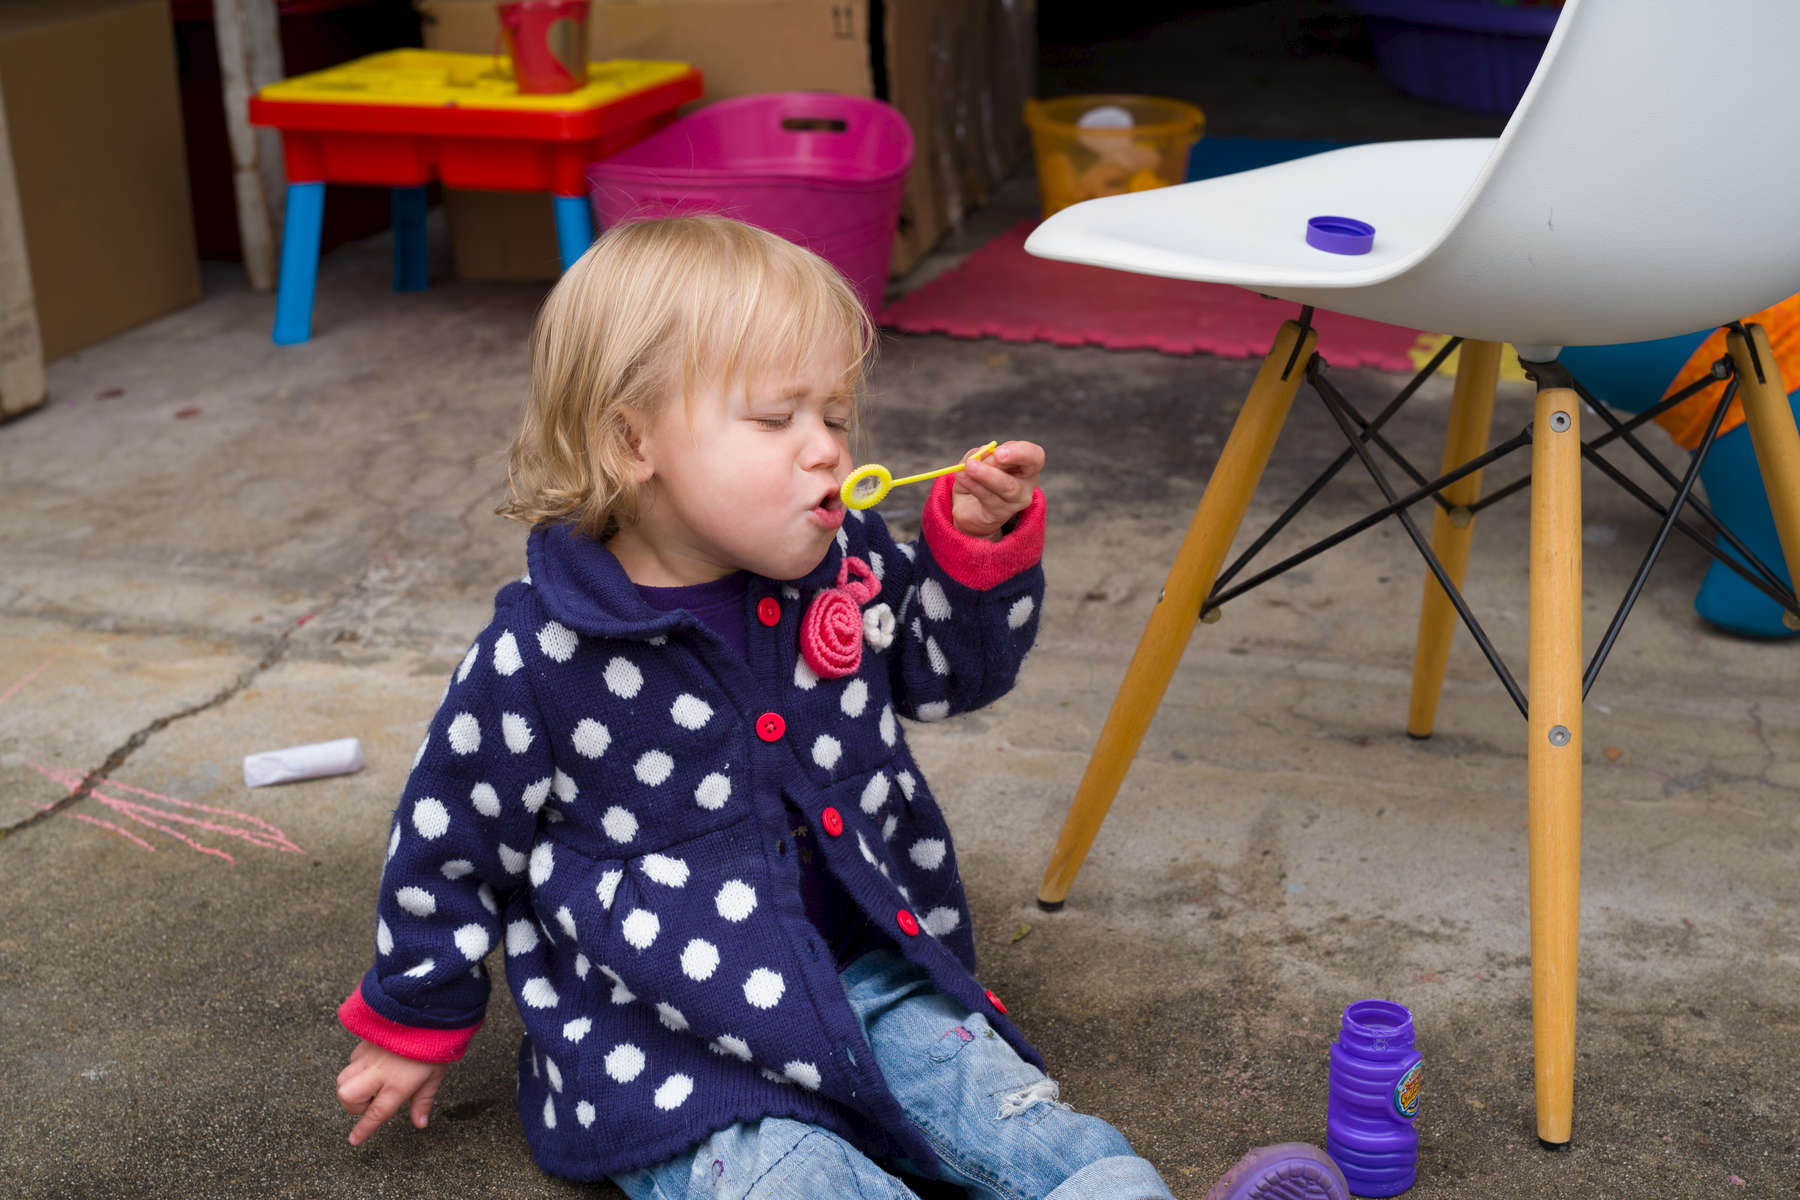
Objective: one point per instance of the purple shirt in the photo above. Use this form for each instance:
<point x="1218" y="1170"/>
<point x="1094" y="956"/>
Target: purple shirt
<point x="720" y="606"/>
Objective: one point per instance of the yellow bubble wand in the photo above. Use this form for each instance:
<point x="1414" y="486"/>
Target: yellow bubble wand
<point x="868" y="486"/>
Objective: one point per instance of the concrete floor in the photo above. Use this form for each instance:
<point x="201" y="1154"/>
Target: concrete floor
<point x="210" y="545"/>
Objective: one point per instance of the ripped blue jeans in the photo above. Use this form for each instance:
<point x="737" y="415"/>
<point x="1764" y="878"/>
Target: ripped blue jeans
<point x="994" y="1119"/>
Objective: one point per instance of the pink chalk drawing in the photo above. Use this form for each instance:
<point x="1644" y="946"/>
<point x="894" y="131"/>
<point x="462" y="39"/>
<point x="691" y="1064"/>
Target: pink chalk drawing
<point x="26" y="678"/>
<point x="218" y="822"/>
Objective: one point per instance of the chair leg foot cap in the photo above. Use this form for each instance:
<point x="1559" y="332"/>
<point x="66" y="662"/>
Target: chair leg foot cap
<point x="1418" y="737"/>
<point x="1554" y="1147"/>
<point x="1050" y="905"/>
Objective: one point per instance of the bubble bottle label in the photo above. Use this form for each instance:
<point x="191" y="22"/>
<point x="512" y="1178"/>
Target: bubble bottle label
<point x="1406" y="1093"/>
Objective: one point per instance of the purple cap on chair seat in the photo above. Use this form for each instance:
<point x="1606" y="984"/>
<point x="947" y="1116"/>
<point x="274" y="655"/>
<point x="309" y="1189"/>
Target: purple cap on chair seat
<point x="1340" y="235"/>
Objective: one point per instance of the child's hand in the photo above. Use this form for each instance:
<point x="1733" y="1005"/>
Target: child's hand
<point x="989" y="491"/>
<point x="378" y="1083"/>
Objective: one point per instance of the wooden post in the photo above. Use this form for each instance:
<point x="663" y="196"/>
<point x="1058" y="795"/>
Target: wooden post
<point x="1554" y="751"/>
<point x="1471" y="420"/>
<point x="21" y="349"/>
<point x="249" y="59"/>
<point x="1172" y="621"/>
<point x="1772" y="432"/>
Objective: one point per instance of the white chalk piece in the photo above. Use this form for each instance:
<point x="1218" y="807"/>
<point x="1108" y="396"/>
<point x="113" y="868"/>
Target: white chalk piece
<point x="303" y="762"/>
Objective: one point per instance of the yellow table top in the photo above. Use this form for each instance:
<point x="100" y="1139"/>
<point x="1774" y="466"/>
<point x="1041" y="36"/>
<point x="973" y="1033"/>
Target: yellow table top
<point x="440" y="78"/>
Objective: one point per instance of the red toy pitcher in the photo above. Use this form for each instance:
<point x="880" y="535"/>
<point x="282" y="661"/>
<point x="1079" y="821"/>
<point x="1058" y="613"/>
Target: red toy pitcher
<point x="547" y="42"/>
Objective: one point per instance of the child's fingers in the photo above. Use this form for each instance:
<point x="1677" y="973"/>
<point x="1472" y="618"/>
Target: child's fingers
<point x="421" y="1101"/>
<point x="356" y="1087"/>
<point x="385" y="1104"/>
<point x="997" y="482"/>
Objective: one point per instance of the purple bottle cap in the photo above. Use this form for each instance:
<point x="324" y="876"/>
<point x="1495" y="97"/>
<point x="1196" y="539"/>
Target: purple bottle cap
<point x="1340" y="235"/>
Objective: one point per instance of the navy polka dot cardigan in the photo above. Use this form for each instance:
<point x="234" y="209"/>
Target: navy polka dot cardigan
<point x="602" y="793"/>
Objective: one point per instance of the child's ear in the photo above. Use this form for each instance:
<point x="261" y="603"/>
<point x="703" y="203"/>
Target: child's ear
<point x="637" y="441"/>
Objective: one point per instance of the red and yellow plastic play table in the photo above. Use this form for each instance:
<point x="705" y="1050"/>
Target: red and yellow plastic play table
<point x="403" y="118"/>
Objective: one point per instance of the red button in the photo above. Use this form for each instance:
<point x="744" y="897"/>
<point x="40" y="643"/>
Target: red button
<point x="770" y="727"/>
<point x="909" y="925"/>
<point x="995" y="1001"/>
<point x="768" y="610"/>
<point x="834" y="822"/>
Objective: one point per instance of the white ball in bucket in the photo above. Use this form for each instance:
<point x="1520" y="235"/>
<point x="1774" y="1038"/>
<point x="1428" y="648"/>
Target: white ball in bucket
<point x="1106" y="130"/>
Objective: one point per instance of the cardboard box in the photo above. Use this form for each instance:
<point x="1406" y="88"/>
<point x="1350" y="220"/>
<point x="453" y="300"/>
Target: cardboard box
<point x="95" y="123"/>
<point x="934" y="60"/>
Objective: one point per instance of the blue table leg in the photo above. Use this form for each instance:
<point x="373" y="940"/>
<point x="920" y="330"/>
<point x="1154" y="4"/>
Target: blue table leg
<point x="411" y="266"/>
<point x="299" y="263"/>
<point x="574" y="227"/>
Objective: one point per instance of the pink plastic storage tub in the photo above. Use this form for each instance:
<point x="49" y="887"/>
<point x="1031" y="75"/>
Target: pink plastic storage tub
<point x="823" y="170"/>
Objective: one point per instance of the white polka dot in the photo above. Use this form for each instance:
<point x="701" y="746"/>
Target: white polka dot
<point x="554" y="1072"/>
<point x="582" y="966"/>
<point x="557" y="641"/>
<point x="855" y="698"/>
<point x="673" y="1092"/>
<point x="485" y="894"/>
<point x="1020" y="612"/>
<point x="423" y="969"/>
<point x="591" y="738"/>
<point x="521" y="938"/>
<point x="535" y="794"/>
<point x="939" y="664"/>
<point x="764" y="988"/>
<point x="384" y="938"/>
<point x="565" y="921"/>
<point x="888" y="826"/>
<point x="417" y="901"/>
<point x="420" y="752"/>
<point x="512" y="860"/>
<point x="875" y="793"/>
<point x="607" y="887"/>
<point x="468" y="662"/>
<point x="641" y="927"/>
<point x="907" y="784"/>
<point x="619" y="823"/>
<point x="843" y="541"/>
<point x="670" y="872"/>
<point x="653" y="767"/>
<point x="736" y="900"/>
<point x="394" y="840"/>
<point x="802" y="1073"/>
<point x="907" y="549"/>
<point x="564" y="787"/>
<point x="713" y="791"/>
<point x="863" y="845"/>
<point x="804" y="678"/>
<point x="671" y="1017"/>
<point x="887" y="725"/>
<point x="933" y="600"/>
<point x="473" y="941"/>
<point x="699" y="959"/>
<point x="690" y="712"/>
<point x="456" y="868"/>
<point x="485" y="799"/>
<point x="789" y="592"/>
<point x="826" y="750"/>
<point x="538" y="993"/>
<point x="577" y="1029"/>
<point x="928" y="853"/>
<point x="876" y="566"/>
<point x="549" y="1112"/>
<point x="517" y="732"/>
<point x="465" y="733"/>
<point x="543" y="861"/>
<point x="506" y="654"/>
<point x="737" y="1047"/>
<point x="940" y="921"/>
<point x="623" y="679"/>
<point x="430" y="818"/>
<point x="934" y="710"/>
<point x="620" y="993"/>
<point x="624" y="1062"/>
<point x="584" y="1112"/>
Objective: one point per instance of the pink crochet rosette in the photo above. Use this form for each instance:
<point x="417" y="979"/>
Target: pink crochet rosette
<point x="831" y="634"/>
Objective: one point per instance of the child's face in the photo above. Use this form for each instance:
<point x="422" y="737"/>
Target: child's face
<point x="744" y="478"/>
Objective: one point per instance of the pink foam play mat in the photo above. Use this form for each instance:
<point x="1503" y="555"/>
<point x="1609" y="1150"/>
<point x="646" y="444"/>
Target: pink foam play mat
<point x="1002" y="292"/>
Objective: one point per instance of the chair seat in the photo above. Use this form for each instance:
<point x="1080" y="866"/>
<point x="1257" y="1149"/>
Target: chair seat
<point x="1249" y="229"/>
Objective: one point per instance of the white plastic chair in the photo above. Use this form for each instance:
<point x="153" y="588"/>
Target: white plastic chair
<point x="1646" y="185"/>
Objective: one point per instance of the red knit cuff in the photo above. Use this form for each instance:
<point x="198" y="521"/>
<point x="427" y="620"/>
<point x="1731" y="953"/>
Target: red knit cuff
<point x="976" y="562"/>
<point x="421" y="1045"/>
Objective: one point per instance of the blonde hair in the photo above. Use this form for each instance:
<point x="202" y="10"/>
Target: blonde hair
<point x="652" y="311"/>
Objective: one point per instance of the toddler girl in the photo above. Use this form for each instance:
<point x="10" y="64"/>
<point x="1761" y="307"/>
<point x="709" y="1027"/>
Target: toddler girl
<point x="669" y="778"/>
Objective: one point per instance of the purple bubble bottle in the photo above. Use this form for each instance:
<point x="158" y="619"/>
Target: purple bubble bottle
<point x="1374" y="1096"/>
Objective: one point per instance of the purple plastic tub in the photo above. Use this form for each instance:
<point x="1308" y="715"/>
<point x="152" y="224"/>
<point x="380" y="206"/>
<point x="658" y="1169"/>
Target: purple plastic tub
<point x="820" y="169"/>
<point x="1471" y="53"/>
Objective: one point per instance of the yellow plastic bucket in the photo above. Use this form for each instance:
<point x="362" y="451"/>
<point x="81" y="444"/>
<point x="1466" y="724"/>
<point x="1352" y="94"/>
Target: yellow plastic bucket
<point x="1088" y="146"/>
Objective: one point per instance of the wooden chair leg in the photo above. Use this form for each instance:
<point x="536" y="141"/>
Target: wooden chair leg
<point x="1554" y="754"/>
<point x="1772" y="432"/>
<point x="1172" y="621"/>
<point x="1471" y="420"/>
